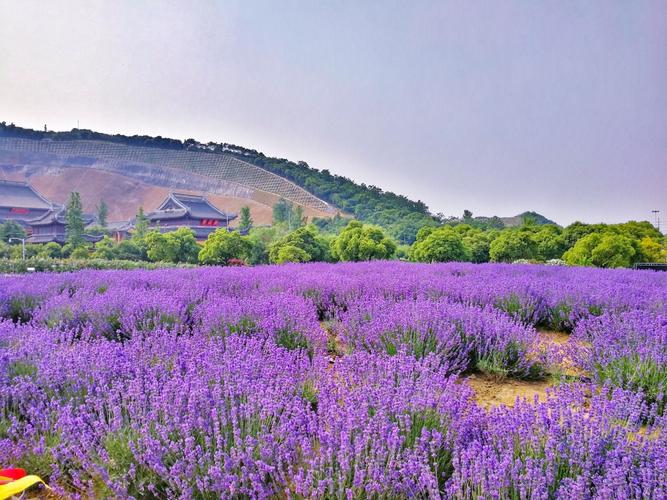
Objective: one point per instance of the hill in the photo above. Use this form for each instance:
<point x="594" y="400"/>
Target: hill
<point x="132" y="171"/>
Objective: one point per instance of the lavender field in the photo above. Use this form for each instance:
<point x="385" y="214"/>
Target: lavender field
<point x="335" y="381"/>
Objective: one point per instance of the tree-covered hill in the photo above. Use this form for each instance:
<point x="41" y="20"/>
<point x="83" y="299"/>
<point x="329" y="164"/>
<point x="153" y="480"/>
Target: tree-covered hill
<point x="400" y="216"/>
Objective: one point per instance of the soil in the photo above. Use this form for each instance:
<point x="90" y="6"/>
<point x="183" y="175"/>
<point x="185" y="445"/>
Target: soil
<point x="490" y="391"/>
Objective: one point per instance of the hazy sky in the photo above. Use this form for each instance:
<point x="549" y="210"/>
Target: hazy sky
<point x="495" y="106"/>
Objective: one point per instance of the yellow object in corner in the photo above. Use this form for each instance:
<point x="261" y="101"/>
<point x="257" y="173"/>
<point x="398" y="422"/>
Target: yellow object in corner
<point x="10" y="489"/>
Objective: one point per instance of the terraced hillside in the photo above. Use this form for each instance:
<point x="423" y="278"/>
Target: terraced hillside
<point x="184" y="169"/>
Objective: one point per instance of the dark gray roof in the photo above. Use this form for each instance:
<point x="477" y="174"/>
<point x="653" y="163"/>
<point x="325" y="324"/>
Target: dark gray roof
<point x="58" y="215"/>
<point x="197" y="207"/>
<point x="21" y="195"/>
<point x="61" y="238"/>
<point x="167" y="214"/>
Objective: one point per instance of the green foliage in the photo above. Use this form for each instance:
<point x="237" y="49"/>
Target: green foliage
<point x="105" y="249"/>
<point x="102" y="213"/>
<point x="306" y="239"/>
<point x="651" y="250"/>
<point x="11" y="229"/>
<point x="80" y="252"/>
<point x="245" y="223"/>
<point x="285" y="213"/>
<point x="602" y="250"/>
<point x="633" y="373"/>
<point x="261" y="239"/>
<point x="478" y="244"/>
<point x="443" y="244"/>
<point x="140" y="225"/>
<point x="550" y="242"/>
<point x="358" y="242"/>
<point x="511" y="245"/>
<point x="75" y="222"/>
<point x="134" y="249"/>
<point x="38" y="264"/>
<point x="176" y="246"/>
<point x="290" y="253"/>
<point x="222" y="245"/>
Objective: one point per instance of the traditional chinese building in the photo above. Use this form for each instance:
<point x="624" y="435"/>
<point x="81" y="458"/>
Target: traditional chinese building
<point x="52" y="226"/>
<point x="20" y="202"/>
<point x="185" y="210"/>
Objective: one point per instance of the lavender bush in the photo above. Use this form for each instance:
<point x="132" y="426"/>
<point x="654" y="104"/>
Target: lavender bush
<point x="333" y="381"/>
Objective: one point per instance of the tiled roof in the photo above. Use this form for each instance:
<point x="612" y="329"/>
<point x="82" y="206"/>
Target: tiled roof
<point x="21" y="195"/>
<point x="197" y="207"/>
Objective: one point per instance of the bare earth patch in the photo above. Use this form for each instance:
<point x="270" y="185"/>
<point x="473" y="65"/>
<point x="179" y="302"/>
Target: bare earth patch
<point x="490" y="391"/>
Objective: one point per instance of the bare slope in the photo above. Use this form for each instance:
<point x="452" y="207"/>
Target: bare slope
<point x="129" y="176"/>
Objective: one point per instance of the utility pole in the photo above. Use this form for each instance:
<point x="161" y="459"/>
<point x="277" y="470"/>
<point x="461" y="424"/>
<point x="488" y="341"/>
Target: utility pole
<point x="22" y="240"/>
<point x="656" y="218"/>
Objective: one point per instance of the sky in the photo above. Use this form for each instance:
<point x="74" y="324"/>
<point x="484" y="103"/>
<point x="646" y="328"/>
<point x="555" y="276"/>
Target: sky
<point x="493" y="106"/>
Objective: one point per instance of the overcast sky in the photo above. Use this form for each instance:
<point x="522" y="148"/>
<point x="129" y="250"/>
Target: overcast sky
<point x="495" y="106"/>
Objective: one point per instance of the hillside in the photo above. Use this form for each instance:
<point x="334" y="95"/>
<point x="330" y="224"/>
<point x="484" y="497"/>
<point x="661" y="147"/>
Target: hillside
<point x="132" y="171"/>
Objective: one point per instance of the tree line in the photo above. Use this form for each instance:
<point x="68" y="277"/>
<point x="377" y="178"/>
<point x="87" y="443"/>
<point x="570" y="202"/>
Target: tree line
<point x="291" y="239"/>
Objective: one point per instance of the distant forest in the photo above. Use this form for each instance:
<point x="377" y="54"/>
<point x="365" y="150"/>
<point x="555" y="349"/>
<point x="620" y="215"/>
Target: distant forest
<point x="400" y="216"/>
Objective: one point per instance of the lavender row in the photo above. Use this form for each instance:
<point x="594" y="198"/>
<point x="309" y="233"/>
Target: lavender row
<point x="540" y="295"/>
<point x="192" y="417"/>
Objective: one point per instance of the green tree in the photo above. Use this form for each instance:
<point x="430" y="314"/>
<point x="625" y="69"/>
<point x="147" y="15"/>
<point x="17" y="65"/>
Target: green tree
<point x="102" y="213"/>
<point x="80" y="252"/>
<point x="290" y="253"/>
<point x="131" y="250"/>
<point x="602" y="250"/>
<point x="550" y="242"/>
<point x="478" y="244"/>
<point x="613" y="251"/>
<point x="581" y="253"/>
<point x="11" y="229"/>
<point x="511" y="245"/>
<point x="282" y="211"/>
<point x="443" y="244"/>
<point x="105" y="249"/>
<point x="140" y="225"/>
<point x="307" y="239"/>
<point x="221" y="246"/>
<point x="176" y="246"/>
<point x="51" y="250"/>
<point x="652" y="250"/>
<point x="75" y="223"/>
<point x="246" y="220"/>
<point x="358" y="242"/>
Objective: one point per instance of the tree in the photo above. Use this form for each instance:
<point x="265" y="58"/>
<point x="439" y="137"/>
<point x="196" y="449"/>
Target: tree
<point x="602" y="250"/>
<point x="478" y="244"/>
<point x="131" y="250"/>
<point x="613" y="251"/>
<point x="176" y="246"/>
<point x="11" y="229"/>
<point x="105" y="249"/>
<point x="550" y="242"/>
<point x="221" y="246"/>
<point x="580" y="254"/>
<point x="443" y="244"/>
<point x="51" y="250"/>
<point x="102" y="213"/>
<point x="80" y="253"/>
<point x="511" y="245"/>
<point x="290" y="253"/>
<point x="246" y="220"/>
<point x="140" y="225"/>
<point x="652" y="251"/>
<point x="75" y="222"/>
<point x="282" y="211"/>
<point x="359" y="242"/>
<point x="305" y="238"/>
